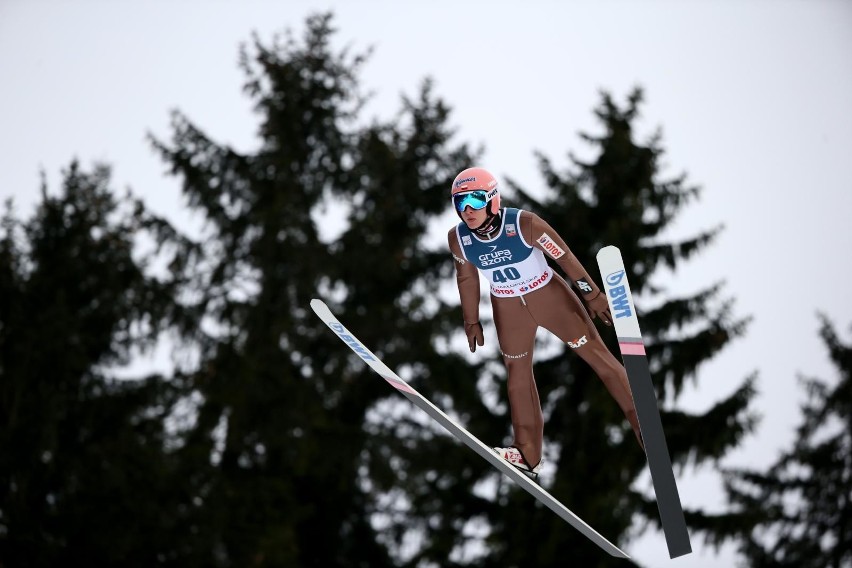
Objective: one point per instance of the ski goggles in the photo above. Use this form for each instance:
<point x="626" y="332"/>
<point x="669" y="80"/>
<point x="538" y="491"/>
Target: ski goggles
<point x="474" y="199"/>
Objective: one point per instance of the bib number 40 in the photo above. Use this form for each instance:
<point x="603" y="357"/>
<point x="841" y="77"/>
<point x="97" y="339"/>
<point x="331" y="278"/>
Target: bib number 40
<point x="505" y="275"/>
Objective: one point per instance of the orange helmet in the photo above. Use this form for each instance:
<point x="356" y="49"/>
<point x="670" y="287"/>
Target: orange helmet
<point x="477" y="188"/>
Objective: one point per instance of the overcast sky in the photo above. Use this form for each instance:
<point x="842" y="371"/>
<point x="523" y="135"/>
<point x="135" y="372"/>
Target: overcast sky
<point x="754" y="100"/>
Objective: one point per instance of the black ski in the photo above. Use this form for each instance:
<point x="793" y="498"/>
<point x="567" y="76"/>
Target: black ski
<point x="636" y="364"/>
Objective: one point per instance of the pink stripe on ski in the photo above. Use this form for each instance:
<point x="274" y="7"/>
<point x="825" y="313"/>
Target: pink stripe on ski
<point x="632" y="348"/>
<point x="398" y="385"/>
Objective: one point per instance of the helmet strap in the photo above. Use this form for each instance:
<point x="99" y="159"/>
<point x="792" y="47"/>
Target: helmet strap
<point x="490" y="225"/>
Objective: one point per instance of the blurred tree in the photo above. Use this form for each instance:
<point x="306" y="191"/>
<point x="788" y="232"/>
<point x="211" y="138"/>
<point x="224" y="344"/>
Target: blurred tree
<point x="329" y="207"/>
<point x="799" y="511"/>
<point x="84" y="479"/>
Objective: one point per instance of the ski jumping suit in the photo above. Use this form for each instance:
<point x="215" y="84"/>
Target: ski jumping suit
<point x="526" y="295"/>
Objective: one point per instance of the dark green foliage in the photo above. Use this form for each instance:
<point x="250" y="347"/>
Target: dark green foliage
<point x="799" y="511"/>
<point x="84" y="478"/>
<point x="284" y="400"/>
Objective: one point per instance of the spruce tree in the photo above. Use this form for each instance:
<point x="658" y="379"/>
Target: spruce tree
<point x="798" y="512"/>
<point x="280" y="452"/>
<point x="85" y="478"/>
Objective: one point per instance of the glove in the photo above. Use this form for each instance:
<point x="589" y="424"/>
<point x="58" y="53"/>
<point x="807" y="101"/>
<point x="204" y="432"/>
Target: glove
<point x="474" y="335"/>
<point x="599" y="308"/>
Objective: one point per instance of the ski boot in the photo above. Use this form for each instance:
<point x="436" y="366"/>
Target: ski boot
<point x="516" y="458"/>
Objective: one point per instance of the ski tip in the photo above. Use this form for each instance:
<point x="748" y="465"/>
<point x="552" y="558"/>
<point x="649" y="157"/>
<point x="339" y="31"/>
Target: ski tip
<point x="607" y="250"/>
<point x="317" y="304"/>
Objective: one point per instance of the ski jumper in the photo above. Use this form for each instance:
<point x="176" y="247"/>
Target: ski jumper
<point x="526" y="294"/>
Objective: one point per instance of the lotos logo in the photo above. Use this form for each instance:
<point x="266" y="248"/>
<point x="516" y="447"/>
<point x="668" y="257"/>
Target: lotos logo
<point x="550" y="246"/>
<point x="618" y="295"/>
<point x="464" y="181"/>
<point x="578" y="343"/>
<point x="536" y="283"/>
<point x="351" y="341"/>
<point x="502" y="291"/>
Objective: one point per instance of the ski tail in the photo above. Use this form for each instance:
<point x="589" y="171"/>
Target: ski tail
<point x="632" y="347"/>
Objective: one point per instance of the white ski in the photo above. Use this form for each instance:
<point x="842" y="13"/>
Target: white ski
<point x="459" y="432"/>
<point x="632" y="348"/>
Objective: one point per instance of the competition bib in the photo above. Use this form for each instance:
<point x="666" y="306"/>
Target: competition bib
<point x="513" y="267"/>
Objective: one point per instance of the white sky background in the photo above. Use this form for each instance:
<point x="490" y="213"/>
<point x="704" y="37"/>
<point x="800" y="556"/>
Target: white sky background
<point x="754" y="100"/>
